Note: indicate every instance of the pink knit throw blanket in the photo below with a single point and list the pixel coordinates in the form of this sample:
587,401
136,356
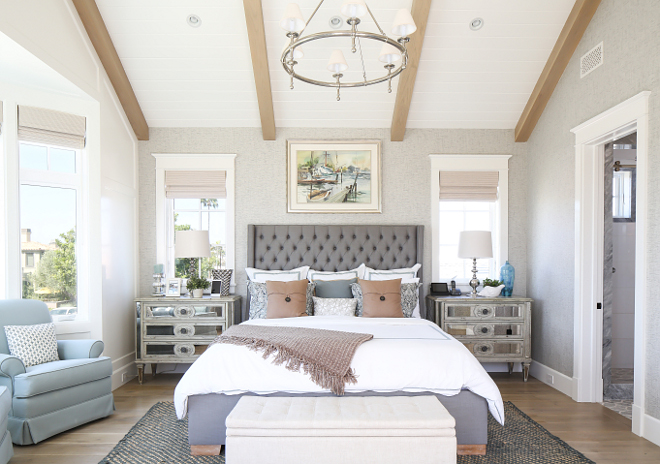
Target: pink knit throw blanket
325,355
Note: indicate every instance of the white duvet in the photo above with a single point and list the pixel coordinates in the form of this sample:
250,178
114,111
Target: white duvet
409,355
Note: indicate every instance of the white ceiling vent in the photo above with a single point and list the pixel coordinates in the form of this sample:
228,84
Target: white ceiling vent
591,60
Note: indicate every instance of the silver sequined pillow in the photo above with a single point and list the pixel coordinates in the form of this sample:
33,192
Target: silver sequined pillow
32,344
409,297
259,299
334,306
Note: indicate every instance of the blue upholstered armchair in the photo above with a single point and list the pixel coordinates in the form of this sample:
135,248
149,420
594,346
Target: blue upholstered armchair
55,396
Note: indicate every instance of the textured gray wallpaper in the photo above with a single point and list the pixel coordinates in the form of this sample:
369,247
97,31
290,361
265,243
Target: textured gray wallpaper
630,31
261,182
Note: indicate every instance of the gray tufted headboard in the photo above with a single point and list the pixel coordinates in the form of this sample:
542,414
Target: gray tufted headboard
335,248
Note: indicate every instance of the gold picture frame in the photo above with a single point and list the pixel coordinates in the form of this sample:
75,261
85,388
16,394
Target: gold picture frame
330,176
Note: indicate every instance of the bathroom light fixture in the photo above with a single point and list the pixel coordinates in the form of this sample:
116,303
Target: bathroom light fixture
393,51
194,20
476,24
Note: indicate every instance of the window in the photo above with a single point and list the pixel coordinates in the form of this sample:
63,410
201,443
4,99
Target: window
457,216
199,214
50,189
623,206
473,196
50,205
195,192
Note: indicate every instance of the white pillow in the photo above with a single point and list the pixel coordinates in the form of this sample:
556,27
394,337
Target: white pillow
390,274
32,344
334,306
356,273
260,275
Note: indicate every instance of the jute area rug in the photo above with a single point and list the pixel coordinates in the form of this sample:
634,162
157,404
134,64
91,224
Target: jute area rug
159,438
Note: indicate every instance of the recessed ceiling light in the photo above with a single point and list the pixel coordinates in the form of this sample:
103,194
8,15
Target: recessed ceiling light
476,24
194,20
336,22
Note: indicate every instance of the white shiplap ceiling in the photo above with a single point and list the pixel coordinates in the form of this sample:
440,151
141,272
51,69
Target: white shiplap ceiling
202,77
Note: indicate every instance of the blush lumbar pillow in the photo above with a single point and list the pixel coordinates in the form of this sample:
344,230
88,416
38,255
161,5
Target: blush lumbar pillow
286,299
334,306
381,298
32,344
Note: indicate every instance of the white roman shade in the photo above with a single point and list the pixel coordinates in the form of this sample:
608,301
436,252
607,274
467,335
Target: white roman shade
51,127
0,117
469,185
196,184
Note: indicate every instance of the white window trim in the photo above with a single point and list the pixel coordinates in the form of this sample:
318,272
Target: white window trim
498,163
88,239
194,162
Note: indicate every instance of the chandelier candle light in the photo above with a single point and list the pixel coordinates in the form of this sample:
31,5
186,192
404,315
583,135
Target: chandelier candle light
392,51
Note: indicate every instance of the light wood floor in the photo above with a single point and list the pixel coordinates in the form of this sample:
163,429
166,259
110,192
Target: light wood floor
601,434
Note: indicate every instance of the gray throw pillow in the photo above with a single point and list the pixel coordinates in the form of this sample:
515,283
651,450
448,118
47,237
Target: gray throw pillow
259,299
409,296
32,344
334,288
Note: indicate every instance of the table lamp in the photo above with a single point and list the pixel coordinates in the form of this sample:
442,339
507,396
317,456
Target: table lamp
473,244
192,244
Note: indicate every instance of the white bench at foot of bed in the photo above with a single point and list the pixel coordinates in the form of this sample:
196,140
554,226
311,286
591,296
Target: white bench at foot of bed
325,430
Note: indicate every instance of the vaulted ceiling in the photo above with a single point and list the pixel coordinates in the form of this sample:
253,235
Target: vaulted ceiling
200,77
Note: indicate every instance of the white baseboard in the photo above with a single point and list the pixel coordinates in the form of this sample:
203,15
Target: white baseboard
551,377
651,429
123,370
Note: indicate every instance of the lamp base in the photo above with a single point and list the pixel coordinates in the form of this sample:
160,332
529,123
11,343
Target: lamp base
474,283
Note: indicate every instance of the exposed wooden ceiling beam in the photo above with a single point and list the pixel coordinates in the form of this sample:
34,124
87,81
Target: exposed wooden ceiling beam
91,18
254,17
561,54
404,92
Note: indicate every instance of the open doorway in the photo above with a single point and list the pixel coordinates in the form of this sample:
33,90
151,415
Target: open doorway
591,137
620,166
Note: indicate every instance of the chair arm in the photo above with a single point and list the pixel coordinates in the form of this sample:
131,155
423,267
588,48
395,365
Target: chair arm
79,349
10,366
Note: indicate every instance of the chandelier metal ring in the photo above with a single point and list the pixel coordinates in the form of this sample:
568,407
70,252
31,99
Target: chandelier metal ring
289,64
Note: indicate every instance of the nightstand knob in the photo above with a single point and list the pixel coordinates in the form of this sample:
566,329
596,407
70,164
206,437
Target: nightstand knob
485,312
484,348
382,298
287,299
484,330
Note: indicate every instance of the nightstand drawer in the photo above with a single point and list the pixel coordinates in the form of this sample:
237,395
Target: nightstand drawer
484,311
495,348
189,329
173,350
484,329
185,311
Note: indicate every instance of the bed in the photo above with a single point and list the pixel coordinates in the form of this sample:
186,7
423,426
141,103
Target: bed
212,386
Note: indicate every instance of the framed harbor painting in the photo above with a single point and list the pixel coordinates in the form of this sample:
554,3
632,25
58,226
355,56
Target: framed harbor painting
333,176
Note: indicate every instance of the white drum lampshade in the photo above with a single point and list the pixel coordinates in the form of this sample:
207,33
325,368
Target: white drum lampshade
475,244
192,244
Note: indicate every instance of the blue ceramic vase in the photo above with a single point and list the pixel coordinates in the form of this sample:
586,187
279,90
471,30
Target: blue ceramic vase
507,276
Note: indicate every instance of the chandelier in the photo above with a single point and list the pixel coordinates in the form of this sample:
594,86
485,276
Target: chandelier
393,52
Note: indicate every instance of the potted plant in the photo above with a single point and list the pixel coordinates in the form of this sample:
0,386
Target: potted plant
492,287
196,285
